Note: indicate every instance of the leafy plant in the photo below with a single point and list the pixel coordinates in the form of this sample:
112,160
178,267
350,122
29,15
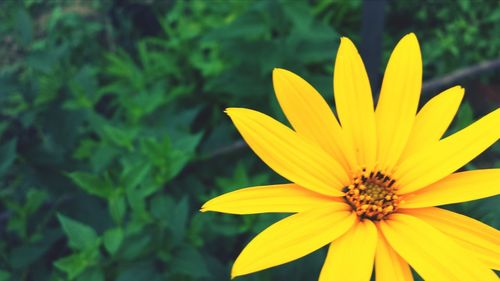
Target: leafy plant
112,131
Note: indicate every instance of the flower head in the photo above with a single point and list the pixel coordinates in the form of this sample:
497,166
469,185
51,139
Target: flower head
367,185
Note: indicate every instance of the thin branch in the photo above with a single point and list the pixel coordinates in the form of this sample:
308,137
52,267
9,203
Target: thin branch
233,147
460,74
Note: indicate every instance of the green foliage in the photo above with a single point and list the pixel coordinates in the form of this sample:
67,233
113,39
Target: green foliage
112,131
80,236
462,33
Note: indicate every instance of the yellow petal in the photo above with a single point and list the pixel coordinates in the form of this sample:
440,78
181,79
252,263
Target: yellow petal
481,240
448,155
354,103
455,188
278,198
389,265
433,120
398,101
310,115
293,237
430,252
351,256
289,154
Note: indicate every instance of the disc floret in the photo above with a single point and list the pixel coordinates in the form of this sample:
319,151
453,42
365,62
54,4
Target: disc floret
372,195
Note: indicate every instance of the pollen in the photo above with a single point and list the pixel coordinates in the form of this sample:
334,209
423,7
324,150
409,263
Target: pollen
372,195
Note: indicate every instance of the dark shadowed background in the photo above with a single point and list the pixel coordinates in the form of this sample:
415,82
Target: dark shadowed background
112,131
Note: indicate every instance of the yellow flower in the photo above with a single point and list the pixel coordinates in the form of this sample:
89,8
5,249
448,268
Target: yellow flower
368,185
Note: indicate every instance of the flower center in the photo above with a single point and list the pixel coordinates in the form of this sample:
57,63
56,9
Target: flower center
372,195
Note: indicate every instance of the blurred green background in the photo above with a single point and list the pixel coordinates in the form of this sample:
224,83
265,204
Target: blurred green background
112,131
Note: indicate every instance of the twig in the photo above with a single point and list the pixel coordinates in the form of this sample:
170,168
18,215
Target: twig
460,74
235,146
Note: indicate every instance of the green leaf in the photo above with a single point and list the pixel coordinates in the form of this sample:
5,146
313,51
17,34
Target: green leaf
190,262
45,60
142,271
24,27
3,125
161,205
73,265
94,274
92,184
183,152
4,275
113,238
8,155
34,199
187,143
76,264
135,246
133,175
178,220
23,256
80,236
120,136
117,208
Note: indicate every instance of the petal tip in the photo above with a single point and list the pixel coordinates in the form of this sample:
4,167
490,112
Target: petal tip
411,36
231,110
345,41
283,75
457,87
456,90
278,73
234,272
411,40
204,208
